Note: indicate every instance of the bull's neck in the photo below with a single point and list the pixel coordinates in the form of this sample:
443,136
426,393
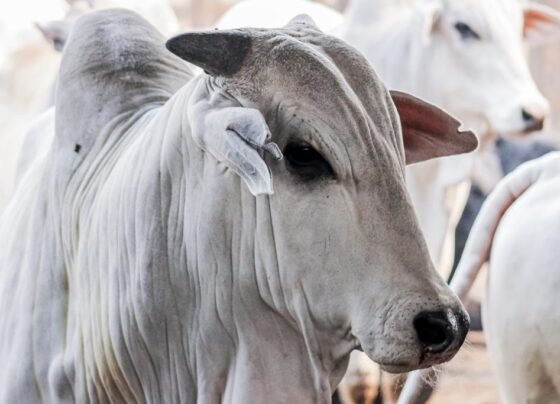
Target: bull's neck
248,345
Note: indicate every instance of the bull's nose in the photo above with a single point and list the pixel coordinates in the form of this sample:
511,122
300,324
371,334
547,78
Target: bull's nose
532,118
439,331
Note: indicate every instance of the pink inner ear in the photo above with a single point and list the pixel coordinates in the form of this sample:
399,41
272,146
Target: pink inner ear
536,15
428,131
532,19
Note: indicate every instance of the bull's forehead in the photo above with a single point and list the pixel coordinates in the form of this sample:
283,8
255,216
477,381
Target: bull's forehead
493,19
322,87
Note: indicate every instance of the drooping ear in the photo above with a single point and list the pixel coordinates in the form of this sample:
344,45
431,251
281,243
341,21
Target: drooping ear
541,24
429,131
55,32
236,136
219,53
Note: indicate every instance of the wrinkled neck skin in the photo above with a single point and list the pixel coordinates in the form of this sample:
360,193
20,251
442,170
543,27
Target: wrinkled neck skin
183,300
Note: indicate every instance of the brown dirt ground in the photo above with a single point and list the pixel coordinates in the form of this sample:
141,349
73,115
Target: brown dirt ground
468,378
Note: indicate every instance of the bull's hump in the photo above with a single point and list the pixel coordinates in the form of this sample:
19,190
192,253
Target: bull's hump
114,63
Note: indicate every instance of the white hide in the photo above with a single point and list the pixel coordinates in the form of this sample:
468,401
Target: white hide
517,232
138,266
522,336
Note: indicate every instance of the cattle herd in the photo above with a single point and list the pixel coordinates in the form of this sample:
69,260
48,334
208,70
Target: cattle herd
267,214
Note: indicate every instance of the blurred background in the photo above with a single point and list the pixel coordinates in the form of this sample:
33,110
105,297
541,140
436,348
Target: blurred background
29,31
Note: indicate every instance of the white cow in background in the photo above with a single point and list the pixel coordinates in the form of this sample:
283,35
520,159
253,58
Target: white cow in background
146,258
517,231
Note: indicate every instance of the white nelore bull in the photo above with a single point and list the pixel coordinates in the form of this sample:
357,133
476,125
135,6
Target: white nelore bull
144,257
517,232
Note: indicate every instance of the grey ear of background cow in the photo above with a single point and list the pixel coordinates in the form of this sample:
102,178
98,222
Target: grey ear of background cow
428,131
55,32
219,53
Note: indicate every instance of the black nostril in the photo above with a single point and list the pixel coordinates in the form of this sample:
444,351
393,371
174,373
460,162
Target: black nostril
532,123
527,117
434,330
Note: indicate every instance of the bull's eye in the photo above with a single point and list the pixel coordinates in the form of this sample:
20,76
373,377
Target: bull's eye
465,31
306,162
58,44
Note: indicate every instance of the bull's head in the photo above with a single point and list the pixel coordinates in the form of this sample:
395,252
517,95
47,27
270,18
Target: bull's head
338,251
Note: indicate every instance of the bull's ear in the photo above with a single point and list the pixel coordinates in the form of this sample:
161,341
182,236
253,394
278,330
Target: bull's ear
239,138
219,53
429,131
55,32
541,24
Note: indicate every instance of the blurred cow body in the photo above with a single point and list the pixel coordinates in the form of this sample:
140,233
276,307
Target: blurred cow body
517,233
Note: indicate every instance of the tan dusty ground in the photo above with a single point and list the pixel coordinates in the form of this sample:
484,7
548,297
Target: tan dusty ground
468,378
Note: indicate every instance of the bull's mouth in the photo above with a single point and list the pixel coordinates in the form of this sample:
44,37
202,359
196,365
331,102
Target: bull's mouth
425,362
397,367
526,131
392,367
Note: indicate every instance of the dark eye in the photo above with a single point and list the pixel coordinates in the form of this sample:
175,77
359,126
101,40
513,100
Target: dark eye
306,162
58,44
465,31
